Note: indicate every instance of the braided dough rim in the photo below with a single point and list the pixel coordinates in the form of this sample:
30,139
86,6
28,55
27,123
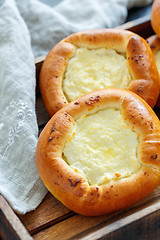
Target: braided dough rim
140,60
72,188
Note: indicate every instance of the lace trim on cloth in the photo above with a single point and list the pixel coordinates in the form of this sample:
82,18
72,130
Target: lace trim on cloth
22,113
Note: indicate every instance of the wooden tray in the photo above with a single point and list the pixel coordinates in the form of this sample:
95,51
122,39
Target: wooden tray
51,220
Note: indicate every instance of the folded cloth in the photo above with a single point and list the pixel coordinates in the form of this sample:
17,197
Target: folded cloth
48,25
20,183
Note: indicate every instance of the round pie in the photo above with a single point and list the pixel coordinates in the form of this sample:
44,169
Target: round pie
155,17
91,60
101,152
154,43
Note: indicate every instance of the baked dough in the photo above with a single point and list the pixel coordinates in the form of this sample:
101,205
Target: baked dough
126,178
90,60
154,43
155,17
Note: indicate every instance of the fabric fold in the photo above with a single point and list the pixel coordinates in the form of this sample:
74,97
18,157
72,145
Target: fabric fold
48,25
20,183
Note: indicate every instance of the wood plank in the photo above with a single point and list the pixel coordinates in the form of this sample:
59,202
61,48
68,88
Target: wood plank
144,224
10,226
38,65
80,224
48,211
42,115
141,26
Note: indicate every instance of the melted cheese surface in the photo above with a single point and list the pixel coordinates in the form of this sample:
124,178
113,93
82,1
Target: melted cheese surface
94,69
157,58
102,147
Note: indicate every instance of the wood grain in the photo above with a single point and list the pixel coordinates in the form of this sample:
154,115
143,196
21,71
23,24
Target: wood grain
141,26
144,224
79,226
10,226
48,211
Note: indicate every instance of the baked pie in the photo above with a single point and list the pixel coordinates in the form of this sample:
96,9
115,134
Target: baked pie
87,61
101,152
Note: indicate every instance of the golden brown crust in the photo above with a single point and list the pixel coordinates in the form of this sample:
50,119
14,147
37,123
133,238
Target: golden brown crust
155,19
154,43
72,188
146,79
139,56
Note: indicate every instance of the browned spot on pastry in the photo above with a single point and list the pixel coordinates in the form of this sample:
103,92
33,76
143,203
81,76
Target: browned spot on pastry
56,183
76,103
140,91
146,174
50,139
152,46
53,128
137,58
154,157
92,100
117,175
75,183
151,124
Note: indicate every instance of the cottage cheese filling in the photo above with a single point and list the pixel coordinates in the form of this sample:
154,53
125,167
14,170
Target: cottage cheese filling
95,69
102,147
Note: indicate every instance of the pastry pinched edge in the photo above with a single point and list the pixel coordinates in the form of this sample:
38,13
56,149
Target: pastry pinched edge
154,43
140,60
155,17
72,188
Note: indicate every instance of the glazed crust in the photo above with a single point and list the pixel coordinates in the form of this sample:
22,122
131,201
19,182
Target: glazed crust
154,43
72,188
139,57
155,17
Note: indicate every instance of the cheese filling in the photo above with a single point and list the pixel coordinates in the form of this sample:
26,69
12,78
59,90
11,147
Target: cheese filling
94,69
102,147
157,58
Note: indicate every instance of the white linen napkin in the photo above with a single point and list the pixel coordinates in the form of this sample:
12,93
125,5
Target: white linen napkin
20,183
48,25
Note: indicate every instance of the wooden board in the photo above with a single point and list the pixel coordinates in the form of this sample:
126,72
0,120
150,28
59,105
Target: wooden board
52,220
